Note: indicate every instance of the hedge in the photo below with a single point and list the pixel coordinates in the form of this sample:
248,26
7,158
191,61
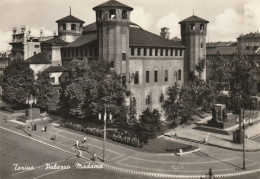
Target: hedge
124,137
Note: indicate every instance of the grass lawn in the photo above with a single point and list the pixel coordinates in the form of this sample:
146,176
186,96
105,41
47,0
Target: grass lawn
160,145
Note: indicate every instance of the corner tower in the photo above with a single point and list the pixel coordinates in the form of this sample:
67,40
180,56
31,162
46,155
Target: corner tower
70,28
113,20
193,33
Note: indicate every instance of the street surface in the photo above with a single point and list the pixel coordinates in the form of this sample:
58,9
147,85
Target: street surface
22,151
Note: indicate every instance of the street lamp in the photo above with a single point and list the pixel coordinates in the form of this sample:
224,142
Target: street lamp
131,76
105,129
242,128
30,101
244,151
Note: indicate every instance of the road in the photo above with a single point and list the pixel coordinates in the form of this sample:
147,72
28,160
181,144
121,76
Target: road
15,149
24,152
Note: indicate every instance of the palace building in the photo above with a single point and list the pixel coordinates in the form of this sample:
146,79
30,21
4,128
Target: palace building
148,63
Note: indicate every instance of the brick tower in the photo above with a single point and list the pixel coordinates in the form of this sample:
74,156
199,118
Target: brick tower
113,20
193,33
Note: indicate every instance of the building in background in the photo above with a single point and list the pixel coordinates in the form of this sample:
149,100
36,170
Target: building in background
147,63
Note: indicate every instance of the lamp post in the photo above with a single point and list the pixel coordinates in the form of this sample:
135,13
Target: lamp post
244,151
30,101
105,131
131,76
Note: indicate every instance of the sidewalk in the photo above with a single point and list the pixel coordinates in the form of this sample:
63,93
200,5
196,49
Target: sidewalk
125,159
190,133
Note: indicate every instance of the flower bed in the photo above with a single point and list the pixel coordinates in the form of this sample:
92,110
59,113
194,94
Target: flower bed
119,136
6,109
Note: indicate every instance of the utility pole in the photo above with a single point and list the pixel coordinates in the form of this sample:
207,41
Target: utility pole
105,135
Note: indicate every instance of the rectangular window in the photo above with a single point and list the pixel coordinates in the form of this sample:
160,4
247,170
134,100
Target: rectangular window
179,74
138,51
132,51
136,78
171,52
112,14
36,46
145,52
123,56
161,52
59,79
72,52
63,26
181,52
151,52
52,80
156,52
147,77
155,76
166,52
73,26
166,76
176,52
124,14
86,52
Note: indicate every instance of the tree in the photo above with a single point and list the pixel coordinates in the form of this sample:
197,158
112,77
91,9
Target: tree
179,106
18,82
47,95
148,126
92,89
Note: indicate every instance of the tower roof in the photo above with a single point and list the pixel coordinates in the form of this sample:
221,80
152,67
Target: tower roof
113,3
70,18
193,19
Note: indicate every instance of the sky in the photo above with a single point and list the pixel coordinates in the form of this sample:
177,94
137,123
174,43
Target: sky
228,18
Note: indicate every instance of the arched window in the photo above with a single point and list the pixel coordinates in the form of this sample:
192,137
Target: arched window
175,76
192,26
133,102
161,98
124,81
112,65
148,100
202,27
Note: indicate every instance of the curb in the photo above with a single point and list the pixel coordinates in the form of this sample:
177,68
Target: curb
179,176
135,172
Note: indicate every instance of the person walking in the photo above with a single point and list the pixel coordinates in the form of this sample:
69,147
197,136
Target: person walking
94,156
77,143
85,139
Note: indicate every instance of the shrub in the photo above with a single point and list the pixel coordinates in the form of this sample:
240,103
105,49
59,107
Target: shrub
124,137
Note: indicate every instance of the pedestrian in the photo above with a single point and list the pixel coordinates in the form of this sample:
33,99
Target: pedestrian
94,156
85,139
80,153
77,143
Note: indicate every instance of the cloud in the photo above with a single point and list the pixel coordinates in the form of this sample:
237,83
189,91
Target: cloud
171,21
230,24
5,39
142,18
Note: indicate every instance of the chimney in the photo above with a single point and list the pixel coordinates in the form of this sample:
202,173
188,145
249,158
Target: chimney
165,33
